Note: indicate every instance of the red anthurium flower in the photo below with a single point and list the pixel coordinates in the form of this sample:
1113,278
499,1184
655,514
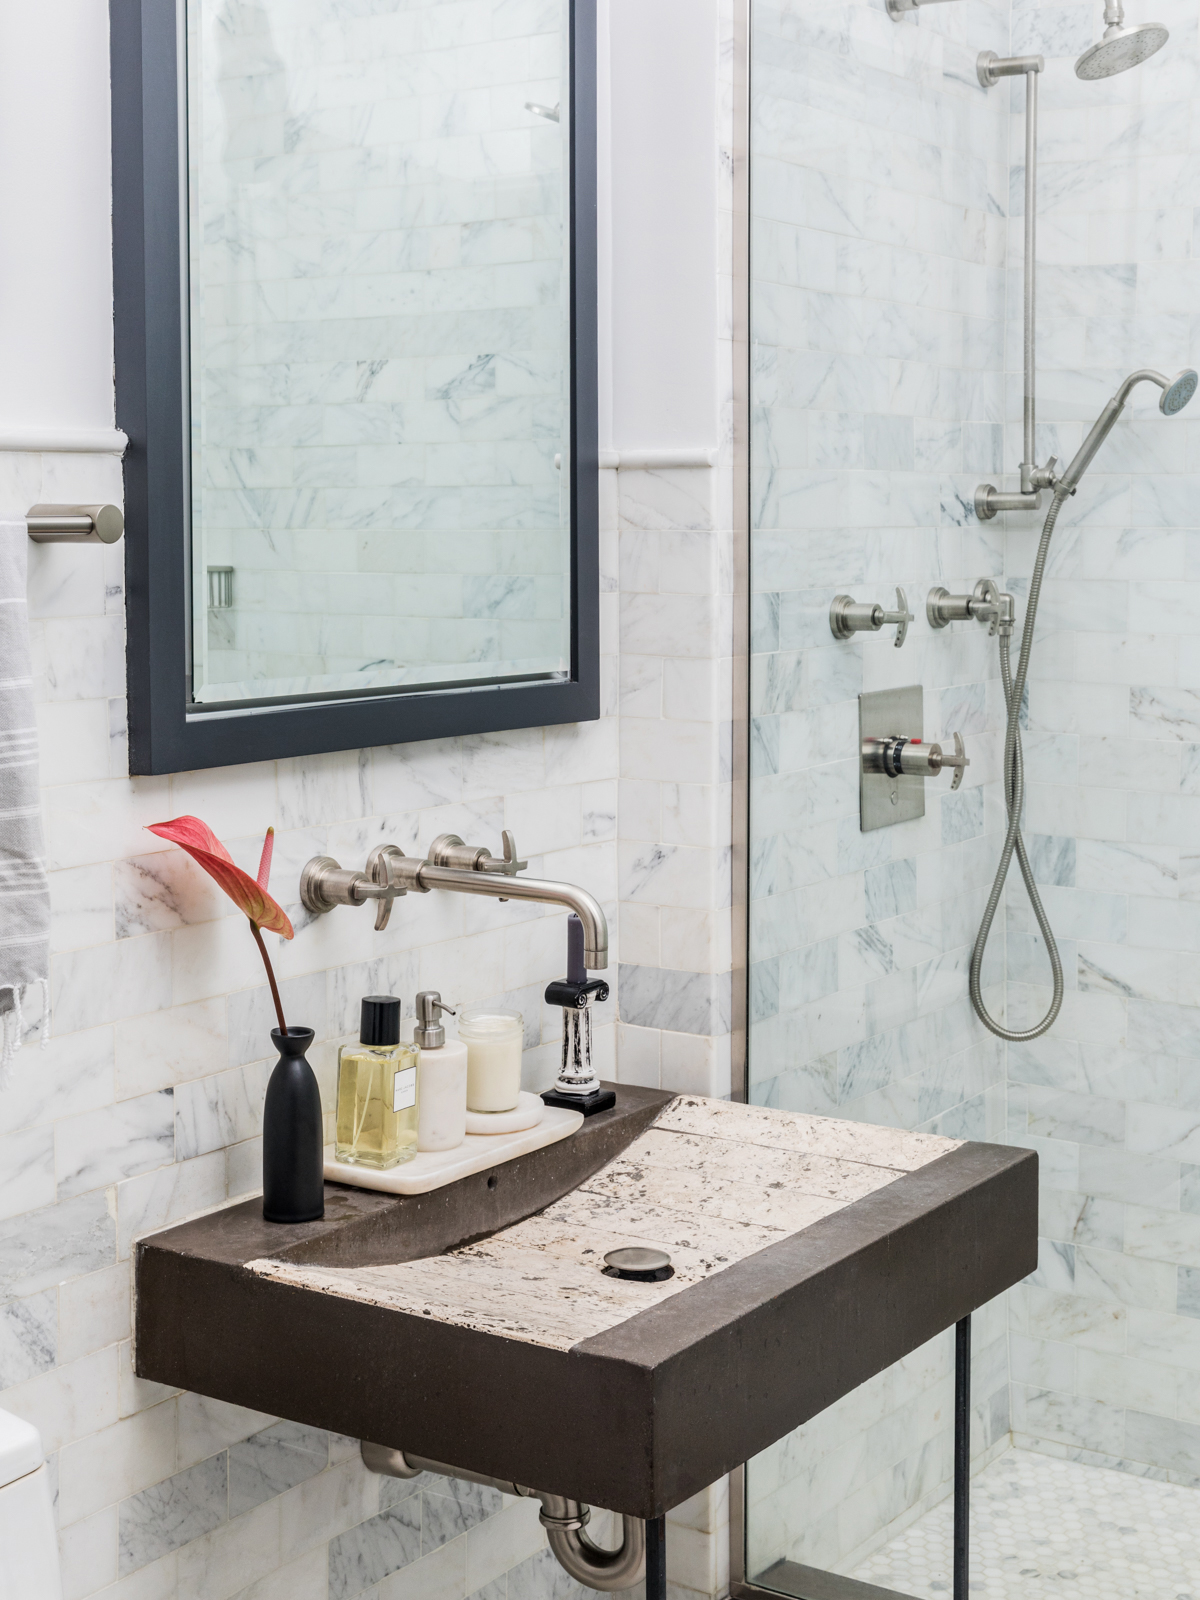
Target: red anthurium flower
247,893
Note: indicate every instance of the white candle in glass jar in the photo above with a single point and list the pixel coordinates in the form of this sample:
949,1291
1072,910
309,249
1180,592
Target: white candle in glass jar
494,1041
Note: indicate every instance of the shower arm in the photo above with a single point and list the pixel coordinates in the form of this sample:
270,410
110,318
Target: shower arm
988,499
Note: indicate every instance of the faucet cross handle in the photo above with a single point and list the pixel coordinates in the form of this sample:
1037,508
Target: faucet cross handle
510,866
958,760
381,865
901,616
448,850
848,616
1047,477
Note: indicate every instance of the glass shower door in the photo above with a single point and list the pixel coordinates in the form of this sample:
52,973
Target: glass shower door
877,399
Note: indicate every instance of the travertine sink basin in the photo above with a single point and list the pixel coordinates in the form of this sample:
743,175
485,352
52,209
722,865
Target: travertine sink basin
474,1325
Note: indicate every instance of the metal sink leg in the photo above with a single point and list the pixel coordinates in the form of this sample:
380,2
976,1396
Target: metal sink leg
962,1455
656,1559
791,1579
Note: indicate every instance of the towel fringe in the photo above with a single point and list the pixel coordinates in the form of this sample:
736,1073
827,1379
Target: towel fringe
13,1025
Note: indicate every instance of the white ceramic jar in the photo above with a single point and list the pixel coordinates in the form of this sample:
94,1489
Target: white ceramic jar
442,1103
495,1041
441,1078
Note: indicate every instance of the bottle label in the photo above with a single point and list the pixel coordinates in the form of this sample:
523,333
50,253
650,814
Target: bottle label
404,1089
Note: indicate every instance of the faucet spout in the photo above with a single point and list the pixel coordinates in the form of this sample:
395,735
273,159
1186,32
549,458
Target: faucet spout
452,865
543,890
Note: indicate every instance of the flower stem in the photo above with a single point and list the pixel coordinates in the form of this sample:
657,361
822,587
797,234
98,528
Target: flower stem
262,950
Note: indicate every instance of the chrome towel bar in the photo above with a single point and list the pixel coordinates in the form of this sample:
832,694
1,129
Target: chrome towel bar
75,524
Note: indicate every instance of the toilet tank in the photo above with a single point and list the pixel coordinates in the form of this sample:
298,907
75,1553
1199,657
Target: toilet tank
28,1538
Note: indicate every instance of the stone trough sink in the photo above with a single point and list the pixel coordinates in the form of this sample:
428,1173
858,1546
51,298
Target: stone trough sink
475,1326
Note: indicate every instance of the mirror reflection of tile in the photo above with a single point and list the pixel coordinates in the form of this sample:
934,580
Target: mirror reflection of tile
379,347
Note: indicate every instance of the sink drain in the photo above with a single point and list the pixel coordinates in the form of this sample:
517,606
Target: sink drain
638,1264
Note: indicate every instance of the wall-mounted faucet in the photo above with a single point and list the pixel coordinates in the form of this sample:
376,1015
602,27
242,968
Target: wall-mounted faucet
450,864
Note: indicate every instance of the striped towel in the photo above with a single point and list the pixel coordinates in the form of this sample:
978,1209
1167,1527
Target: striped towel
24,888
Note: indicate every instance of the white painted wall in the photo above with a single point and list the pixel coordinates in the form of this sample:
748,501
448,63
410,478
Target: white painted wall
56,344
664,222
658,360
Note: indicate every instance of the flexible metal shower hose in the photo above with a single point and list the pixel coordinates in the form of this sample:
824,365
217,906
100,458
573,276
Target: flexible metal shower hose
1014,800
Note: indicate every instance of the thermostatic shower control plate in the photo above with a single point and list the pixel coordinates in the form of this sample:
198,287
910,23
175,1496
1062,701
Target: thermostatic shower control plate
888,714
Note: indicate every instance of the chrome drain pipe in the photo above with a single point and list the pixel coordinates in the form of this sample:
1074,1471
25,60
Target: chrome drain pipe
564,1520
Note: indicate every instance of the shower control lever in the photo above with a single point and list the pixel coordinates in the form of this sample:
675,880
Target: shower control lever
899,757
986,603
848,616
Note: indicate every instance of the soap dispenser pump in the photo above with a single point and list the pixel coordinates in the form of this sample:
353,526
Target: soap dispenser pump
578,1087
442,1075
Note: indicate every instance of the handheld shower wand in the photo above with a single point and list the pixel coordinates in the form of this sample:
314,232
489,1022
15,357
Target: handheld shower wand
1176,393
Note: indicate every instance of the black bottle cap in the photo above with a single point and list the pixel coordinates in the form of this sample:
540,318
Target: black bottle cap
380,1020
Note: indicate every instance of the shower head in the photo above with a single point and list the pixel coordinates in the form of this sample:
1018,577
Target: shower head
1176,392
1121,47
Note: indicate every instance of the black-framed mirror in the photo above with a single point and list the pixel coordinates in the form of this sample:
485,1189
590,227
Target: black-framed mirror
355,285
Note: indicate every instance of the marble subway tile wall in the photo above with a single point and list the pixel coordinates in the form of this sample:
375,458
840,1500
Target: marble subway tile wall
675,807
379,319
677,549
147,1106
878,192
1106,1338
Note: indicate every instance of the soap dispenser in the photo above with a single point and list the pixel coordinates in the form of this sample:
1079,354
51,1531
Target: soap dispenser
442,1075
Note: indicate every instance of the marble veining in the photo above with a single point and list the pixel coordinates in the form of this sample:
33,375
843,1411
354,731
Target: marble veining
710,1182
172,1513
268,1463
364,1555
28,1337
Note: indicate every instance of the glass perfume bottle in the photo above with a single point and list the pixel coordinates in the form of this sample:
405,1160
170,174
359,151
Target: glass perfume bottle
377,1090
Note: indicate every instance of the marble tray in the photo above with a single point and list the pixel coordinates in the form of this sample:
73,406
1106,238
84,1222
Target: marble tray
435,1168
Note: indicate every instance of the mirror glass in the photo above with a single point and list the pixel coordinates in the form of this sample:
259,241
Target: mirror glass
379,274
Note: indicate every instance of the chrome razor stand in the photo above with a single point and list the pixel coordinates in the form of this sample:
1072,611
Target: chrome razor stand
578,1088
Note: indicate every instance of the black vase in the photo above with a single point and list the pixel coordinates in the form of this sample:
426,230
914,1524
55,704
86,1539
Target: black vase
293,1142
